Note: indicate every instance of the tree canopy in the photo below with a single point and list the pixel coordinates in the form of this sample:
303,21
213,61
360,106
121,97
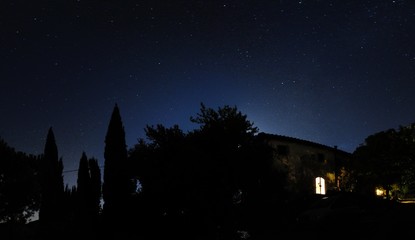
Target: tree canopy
387,158
215,181
19,186
117,185
209,175
51,182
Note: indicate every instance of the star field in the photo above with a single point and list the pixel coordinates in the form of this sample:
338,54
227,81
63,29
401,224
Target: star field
332,72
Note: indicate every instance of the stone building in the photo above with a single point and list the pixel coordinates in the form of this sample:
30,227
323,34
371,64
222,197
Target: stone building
310,167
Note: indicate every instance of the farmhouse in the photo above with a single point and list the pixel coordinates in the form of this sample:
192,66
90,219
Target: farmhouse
310,167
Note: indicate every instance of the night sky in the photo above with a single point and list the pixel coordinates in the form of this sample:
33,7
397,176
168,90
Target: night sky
331,72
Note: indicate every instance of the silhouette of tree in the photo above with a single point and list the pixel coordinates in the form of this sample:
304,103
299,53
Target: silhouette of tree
266,206
245,189
70,202
208,182
51,181
88,194
117,185
224,137
407,185
385,159
83,190
19,188
227,121
96,186
162,168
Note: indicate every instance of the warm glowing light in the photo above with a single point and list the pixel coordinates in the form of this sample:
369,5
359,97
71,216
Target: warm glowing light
379,192
320,186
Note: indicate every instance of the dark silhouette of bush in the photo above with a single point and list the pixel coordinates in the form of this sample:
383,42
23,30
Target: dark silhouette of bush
19,185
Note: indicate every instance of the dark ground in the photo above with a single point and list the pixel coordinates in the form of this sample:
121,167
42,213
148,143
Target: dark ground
396,222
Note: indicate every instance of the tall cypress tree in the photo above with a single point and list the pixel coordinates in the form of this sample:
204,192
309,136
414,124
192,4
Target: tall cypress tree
95,174
52,189
83,189
88,195
116,186
83,180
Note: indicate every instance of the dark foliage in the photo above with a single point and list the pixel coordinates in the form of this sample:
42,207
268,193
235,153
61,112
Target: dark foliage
117,185
19,188
216,182
83,185
95,188
51,182
386,159
209,182
88,190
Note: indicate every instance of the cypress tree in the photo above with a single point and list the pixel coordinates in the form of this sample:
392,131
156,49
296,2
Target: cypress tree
116,186
83,180
95,174
88,196
52,188
83,189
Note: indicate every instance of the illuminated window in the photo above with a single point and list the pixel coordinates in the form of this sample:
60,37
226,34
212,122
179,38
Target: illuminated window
320,186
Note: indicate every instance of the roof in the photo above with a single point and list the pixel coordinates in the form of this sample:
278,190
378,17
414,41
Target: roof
283,138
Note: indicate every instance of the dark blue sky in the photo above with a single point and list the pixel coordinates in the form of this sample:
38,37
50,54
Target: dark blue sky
332,72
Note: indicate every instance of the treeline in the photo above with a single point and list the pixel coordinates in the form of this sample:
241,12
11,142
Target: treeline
385,161
215,182
210,183
19,185
218,181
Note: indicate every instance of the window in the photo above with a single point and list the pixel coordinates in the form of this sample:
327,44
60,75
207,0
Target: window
282,150
320,157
